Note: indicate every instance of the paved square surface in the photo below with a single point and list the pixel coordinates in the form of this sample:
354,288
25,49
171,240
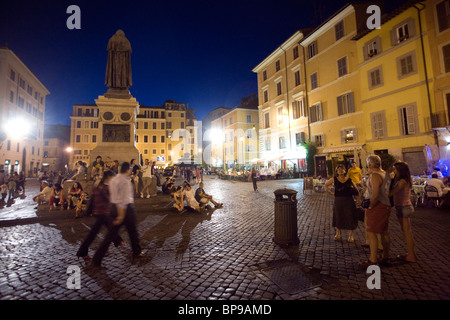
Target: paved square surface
222,254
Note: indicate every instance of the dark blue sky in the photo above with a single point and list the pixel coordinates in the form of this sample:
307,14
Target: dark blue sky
196,52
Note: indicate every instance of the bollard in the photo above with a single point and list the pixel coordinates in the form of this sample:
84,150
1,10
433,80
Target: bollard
285,217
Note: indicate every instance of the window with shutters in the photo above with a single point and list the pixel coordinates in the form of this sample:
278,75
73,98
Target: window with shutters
280,115
279,88
314,81
342,67
268,146
443,15
406,65
339,30
319,140
277,65
345,104
297,78
315,112
298,109
378,122
311,50
375,77
266,120
266,96
264,75
300,137
348,135
282,142
295,52
402,31
372,48
408,120
446,56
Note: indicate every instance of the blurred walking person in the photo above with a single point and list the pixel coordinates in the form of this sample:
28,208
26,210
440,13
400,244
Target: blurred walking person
100,208
122,213
254,176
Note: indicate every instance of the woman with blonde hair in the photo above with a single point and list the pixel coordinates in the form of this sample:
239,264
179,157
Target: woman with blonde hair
377,214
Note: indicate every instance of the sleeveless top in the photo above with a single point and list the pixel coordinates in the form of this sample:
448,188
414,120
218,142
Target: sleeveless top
403,197
383,195
342,189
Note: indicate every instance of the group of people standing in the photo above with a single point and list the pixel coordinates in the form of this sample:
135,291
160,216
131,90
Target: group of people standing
11,186
384,192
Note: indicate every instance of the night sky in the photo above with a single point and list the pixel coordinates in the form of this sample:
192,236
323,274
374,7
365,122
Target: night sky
196,52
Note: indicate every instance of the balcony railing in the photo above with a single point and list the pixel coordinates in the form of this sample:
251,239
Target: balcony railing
439,120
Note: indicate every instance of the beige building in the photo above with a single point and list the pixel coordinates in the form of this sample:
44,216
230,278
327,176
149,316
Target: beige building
283,117
165,134
234,138
22,110
56,142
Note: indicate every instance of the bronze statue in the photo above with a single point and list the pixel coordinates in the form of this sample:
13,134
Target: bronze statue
118,67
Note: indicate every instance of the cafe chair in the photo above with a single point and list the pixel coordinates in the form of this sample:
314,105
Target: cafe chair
431,193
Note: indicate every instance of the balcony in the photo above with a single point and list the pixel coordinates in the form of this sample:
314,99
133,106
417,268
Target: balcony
439,120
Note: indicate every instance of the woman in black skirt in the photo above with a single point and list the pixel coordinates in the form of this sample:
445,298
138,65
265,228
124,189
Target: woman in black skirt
344,209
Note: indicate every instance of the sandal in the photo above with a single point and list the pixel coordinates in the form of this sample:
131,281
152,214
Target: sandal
367,263
402,257
384,262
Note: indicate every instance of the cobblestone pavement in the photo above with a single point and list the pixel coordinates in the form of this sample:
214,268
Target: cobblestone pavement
224,254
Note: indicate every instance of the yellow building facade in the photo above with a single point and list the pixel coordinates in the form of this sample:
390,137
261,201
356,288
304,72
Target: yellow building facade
164,134
381,90
234,139
283,118
437,20
397,86
333,89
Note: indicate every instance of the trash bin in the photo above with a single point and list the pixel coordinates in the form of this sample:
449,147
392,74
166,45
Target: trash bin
285,217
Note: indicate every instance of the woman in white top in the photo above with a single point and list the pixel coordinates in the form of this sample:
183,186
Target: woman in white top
189,196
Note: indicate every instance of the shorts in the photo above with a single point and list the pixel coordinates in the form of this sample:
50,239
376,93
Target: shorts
403,212
146,181
377,218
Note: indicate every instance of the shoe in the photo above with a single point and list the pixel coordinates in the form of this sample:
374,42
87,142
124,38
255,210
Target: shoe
402,257
85,258
148,196
219,205
142,195
384,262
366,264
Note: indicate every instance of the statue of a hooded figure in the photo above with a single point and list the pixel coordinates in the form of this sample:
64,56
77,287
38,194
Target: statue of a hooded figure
118,67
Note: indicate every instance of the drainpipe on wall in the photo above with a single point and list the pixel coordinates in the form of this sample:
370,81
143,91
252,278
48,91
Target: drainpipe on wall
426,70
287,98
306,93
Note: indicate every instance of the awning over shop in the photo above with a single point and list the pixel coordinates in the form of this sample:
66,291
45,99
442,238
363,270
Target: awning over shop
342,149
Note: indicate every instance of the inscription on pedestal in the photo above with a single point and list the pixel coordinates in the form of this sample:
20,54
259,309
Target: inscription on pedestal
116,133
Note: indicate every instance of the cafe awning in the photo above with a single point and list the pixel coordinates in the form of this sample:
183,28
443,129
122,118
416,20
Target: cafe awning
342,149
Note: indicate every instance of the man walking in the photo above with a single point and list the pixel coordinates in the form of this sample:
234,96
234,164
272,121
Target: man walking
122,213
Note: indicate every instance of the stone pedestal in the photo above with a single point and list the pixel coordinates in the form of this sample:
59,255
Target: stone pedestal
117,127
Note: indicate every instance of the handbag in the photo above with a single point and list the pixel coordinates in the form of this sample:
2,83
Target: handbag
360,213
365,203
